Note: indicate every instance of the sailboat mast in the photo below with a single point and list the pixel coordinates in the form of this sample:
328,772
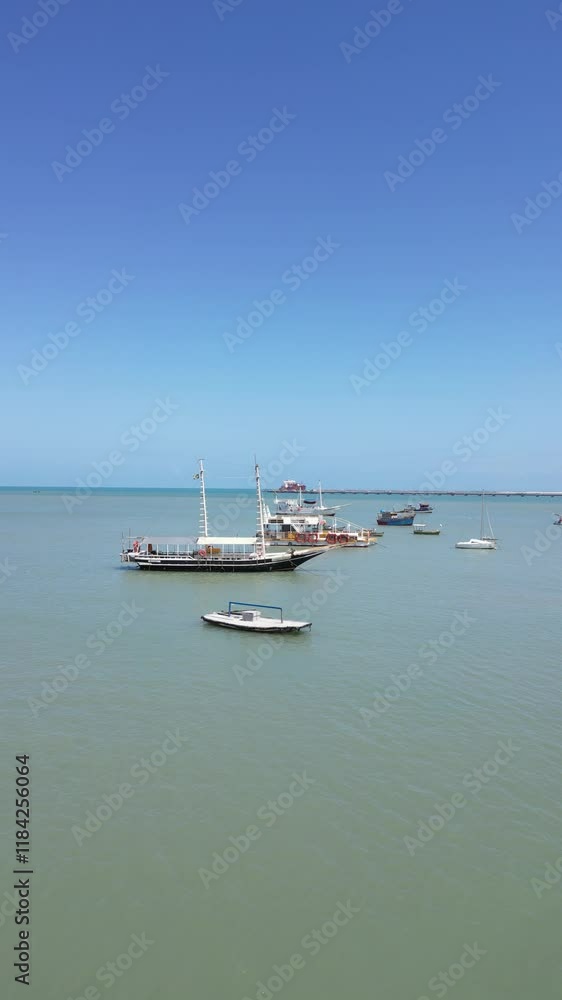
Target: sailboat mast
490,529
482,518
260,524
320,492
202,501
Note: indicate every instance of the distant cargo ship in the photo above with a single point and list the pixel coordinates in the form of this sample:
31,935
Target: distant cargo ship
291,486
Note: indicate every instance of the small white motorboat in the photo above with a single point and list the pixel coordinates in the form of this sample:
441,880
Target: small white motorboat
251,619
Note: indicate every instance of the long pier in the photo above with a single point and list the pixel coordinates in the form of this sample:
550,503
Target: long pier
419,493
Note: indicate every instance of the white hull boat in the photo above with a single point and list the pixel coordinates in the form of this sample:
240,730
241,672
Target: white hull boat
485,541
477,543
311,530
307,507
251,619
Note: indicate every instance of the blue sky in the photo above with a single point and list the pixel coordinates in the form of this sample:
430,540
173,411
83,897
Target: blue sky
346,107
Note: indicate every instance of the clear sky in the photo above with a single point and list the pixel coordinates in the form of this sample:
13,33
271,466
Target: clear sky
114,113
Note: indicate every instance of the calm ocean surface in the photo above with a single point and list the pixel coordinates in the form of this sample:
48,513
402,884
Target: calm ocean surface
404,814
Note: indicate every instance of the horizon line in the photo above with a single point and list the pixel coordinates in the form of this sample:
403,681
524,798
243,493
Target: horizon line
373,491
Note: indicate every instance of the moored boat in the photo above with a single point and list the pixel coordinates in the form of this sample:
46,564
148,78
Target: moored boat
485,541
209,553
351,537
422,508
251,620
424,529
213,555
282,529
307,507
477,543
286,528
291,486
400,518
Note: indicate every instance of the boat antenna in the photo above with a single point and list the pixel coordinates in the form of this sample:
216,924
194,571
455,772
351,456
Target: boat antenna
202,501
260,525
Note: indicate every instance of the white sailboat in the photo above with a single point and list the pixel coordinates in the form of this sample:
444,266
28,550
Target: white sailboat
485,541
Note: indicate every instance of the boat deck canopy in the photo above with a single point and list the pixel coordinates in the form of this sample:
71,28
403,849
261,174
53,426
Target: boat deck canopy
169,540
214,540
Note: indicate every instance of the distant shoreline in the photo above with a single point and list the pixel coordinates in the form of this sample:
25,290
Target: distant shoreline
425,493
193,491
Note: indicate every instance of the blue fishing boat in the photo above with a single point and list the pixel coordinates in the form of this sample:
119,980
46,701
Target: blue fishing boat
401,518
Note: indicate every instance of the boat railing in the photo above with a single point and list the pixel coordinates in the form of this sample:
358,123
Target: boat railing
342,526
196,554
266,607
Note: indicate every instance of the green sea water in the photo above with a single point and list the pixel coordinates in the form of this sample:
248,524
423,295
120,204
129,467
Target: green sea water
205,803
